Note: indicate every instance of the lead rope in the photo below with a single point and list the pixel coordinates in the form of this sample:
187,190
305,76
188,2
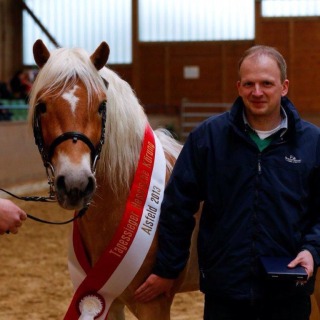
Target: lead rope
46,199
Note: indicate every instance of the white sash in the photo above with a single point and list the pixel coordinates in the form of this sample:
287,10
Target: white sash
96,287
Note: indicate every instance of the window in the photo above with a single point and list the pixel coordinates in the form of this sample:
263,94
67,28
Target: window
201,20
85,24
80,23
290,8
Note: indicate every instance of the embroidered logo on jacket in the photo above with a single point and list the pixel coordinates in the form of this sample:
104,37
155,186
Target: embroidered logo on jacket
292,159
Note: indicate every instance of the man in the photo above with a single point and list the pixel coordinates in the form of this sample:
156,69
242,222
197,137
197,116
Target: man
11,217
256,169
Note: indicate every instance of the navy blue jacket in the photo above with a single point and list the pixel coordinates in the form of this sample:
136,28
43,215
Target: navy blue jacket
254,204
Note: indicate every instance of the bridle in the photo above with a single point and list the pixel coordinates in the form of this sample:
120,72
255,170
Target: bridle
47,152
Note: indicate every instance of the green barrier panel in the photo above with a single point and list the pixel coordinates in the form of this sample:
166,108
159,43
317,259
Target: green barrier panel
17,107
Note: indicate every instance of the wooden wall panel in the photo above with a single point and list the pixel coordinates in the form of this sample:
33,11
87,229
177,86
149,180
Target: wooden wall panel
305,65
207,57
10,38
124,71
298,39
152,74
161,73
275,32
230,56
20,161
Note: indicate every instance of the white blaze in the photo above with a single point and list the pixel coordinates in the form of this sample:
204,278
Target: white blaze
76,175
71,98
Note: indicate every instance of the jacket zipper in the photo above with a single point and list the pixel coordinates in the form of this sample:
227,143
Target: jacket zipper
259,164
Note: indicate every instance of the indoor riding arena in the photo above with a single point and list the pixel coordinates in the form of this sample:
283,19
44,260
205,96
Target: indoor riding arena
180,59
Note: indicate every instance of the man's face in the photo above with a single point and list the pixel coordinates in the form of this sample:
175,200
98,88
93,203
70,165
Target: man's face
260,87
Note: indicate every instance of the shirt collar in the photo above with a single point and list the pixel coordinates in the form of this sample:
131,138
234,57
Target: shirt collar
283,124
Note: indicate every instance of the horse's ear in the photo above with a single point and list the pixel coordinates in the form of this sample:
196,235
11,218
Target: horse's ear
40,53
100,57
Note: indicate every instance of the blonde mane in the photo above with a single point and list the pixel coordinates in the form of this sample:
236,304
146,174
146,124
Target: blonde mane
125,128
126,120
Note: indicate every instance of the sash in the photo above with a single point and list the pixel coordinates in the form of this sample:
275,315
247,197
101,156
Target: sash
96,287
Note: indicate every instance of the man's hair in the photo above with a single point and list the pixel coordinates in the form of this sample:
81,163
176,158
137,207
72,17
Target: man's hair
273,53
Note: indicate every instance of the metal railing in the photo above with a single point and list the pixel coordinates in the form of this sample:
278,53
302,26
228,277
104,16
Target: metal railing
193,113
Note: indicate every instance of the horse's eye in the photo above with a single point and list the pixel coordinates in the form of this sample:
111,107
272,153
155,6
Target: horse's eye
102,107
41,106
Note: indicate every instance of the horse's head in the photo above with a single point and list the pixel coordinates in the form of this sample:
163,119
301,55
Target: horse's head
68,110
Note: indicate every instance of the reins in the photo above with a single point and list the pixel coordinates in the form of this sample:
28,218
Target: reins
46,199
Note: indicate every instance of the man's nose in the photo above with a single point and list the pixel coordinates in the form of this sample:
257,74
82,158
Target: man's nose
257,90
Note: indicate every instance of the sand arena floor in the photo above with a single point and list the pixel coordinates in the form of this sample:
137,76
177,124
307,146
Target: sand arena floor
34,276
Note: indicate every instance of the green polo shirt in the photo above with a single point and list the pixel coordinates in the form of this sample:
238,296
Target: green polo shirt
261,143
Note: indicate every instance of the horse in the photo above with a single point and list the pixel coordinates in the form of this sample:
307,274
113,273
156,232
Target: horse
89,127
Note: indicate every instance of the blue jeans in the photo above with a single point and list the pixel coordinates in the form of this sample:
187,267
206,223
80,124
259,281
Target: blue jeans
293,308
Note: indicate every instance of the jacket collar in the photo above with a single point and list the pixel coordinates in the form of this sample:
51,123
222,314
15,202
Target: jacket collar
283,126
294,120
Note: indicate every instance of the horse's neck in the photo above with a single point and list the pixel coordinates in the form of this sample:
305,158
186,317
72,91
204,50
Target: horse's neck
100,222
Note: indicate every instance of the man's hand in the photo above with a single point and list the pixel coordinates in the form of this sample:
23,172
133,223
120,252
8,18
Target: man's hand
153,287
305,259
11,216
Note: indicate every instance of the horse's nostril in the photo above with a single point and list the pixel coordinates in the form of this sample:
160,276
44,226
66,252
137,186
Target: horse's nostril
61,185
90,186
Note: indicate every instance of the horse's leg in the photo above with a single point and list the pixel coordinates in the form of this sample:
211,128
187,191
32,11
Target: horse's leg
157,309
116,311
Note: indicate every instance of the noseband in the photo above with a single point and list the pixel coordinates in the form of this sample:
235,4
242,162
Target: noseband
47,152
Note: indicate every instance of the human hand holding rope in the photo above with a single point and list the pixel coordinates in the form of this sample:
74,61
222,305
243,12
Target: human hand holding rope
50,198
11,217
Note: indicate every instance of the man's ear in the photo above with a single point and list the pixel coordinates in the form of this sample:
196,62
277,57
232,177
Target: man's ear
285,87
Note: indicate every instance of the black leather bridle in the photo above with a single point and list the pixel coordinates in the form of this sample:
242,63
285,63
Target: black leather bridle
47,152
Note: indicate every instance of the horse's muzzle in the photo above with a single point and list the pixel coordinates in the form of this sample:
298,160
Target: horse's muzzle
74,196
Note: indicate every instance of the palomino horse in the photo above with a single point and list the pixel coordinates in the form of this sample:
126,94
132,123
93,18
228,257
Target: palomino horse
82,111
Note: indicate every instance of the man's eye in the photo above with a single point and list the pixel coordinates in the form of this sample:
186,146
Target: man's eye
247,84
